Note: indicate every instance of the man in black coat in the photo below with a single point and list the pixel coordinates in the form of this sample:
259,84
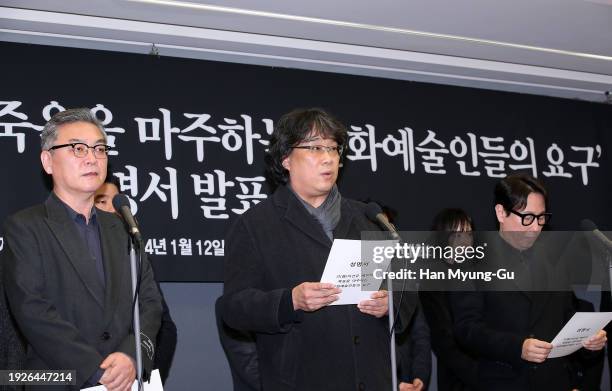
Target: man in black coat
67,269
510,326
276,253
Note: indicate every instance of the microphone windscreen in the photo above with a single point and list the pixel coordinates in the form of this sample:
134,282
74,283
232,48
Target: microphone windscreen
120,200
587,225
372,210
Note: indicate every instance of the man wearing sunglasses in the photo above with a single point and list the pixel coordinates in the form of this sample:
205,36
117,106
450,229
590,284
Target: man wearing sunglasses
509,326
67,272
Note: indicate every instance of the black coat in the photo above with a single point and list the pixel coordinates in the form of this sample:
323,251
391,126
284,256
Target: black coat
51,282
457,367
274,247
494,325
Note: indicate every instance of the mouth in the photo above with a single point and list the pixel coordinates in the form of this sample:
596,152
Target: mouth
90,174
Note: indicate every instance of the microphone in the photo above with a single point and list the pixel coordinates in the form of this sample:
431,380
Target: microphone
588,225
122,206
375,214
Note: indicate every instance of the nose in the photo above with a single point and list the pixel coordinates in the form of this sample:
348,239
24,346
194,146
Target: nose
534,226
329,157
90,158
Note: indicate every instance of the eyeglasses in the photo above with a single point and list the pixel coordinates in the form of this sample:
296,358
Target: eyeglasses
100,151
320,149
528,218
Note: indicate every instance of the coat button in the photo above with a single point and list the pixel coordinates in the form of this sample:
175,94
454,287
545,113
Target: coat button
356,340
105,336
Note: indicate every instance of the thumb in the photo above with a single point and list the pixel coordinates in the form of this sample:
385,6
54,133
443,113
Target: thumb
108,361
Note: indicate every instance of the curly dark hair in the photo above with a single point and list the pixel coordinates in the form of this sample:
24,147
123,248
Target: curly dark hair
295,127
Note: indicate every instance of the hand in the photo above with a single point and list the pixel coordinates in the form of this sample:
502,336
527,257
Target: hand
119,372
310,296
378,305
596,342
535,350
416,385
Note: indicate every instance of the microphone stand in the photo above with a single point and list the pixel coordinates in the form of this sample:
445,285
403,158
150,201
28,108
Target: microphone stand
136,245
392,327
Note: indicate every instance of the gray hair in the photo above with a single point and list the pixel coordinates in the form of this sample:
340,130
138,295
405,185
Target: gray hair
49,132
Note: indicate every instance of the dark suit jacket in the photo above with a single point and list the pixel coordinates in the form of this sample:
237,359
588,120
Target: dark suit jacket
274,247
52,287
494,325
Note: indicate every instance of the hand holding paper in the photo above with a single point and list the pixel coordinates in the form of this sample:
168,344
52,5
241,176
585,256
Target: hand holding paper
596,342
350,267
535,350
378,305
581,328
310,296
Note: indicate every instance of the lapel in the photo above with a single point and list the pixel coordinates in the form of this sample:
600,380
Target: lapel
65,232
114,247
298,216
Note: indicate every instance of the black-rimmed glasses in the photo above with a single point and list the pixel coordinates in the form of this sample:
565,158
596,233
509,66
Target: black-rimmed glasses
100,151
528,218
320,149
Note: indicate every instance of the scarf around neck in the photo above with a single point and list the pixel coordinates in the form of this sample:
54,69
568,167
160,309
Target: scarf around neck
328,213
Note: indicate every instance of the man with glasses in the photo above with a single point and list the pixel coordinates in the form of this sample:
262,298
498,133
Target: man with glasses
275,255
67,272
509,326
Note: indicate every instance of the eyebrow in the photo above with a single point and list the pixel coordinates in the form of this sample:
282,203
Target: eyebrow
78,140
315,138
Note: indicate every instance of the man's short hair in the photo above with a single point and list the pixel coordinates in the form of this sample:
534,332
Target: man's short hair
113,180
49,132
293,128
512,191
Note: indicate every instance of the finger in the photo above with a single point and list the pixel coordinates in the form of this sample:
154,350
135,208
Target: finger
542,344
108,361
115,380
122,379
126,385
378,295
373,303
540,357
109,376
538,350
323,300
311,294
322,285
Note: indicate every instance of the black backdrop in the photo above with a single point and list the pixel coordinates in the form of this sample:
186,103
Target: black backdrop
191,135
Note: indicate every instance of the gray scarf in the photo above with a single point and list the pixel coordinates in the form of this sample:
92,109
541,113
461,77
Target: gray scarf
328,213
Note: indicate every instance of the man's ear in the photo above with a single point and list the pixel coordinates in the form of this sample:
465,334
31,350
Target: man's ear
46,159
500,213
286,163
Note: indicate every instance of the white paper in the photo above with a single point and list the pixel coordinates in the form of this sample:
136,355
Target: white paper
580,327
345,268
154,384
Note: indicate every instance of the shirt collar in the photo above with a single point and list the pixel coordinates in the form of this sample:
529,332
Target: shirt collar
78,217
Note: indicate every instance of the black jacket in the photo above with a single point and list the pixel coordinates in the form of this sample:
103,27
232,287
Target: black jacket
274,247
495,323
51,281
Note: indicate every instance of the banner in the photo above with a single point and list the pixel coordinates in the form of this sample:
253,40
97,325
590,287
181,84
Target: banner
190,139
